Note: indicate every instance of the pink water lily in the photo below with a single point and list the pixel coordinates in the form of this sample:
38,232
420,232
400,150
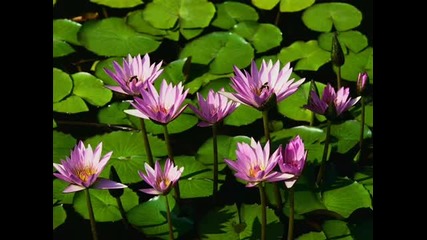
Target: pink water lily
214,108
332,103
362,82
135,73
293,159
258,87
254,164
83,167
161,181
162,107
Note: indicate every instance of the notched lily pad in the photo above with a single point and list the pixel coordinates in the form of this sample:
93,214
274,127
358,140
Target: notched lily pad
309,55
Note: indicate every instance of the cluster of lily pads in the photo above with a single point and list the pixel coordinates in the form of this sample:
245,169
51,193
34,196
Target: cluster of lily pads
312,161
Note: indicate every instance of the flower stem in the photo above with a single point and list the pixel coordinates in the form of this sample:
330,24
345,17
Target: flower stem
263,210
91,215
170,155
291,214
362,128
339,78
122,213
320,174
267,138
168,213
215,155
146,143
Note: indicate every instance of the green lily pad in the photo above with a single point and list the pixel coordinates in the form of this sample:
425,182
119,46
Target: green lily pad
59,216
106,63
345,200
118,3
220,50
57,192
243,115
191,33
356,63
205,79
353,40
61,48
226,149
309,55
369,112
365,177
128,153
114,114
231,13
54,124
293,106
62,146
265,4
62,84
165,14
173,72
322,17
182,123
66,30
91,89
312,236
105,207
113,37
197,179
215,85
295,5
136,20
72,104
263,36
226,224
348,134
336,229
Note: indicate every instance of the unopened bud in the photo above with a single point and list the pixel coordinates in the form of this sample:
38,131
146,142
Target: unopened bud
362,82
337,54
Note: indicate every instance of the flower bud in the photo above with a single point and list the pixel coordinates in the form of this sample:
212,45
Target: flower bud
362,82
337,55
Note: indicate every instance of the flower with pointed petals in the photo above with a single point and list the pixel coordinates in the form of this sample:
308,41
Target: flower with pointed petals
293,159
362,81
82,169
214,108
162,107
134,75
254,164
259,88
161,181
332,103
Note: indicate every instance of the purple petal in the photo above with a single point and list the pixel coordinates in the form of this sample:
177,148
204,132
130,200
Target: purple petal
136,113
73,188
102,183
151,191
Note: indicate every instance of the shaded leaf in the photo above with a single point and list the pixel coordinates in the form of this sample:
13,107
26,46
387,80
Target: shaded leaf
263,36
205,79
229,13
57,192
105,206
309,55
173,72
356,63
336,229
91,89
322,17
220,50
61,48
353,40
62,84
113,37
312,236
59,216
369,112
348,134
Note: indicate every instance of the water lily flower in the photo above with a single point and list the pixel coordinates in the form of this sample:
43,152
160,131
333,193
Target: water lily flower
332,103
135,73
161,181
259,87
293,159
214,108
83,167
254,164
162,107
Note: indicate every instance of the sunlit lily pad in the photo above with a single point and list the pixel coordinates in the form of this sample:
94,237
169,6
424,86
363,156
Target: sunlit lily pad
100,73
61,48
229,13
59,216
356,63
105,206
265,4
72,104
173,72
309,55
220,50
226,149
295,5
114,114
57,192
243,115
349,40
113,37
165,14
128,153
118,3
205,79
180,124
91,89
136,20
62,145
263,36
225,223
322,17
66,30
62,84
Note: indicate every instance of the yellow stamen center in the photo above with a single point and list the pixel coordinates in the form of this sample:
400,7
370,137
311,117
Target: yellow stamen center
85,173
254,171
